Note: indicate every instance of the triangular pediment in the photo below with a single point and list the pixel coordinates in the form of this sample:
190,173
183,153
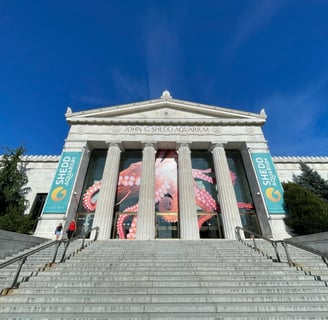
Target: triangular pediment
164,110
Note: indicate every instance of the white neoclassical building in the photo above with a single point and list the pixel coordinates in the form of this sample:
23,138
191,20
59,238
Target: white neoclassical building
164,168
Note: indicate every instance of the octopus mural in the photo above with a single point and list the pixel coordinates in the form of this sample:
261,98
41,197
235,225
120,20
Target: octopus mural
166,193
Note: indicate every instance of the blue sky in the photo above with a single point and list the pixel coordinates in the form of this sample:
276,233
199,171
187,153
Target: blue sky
240,54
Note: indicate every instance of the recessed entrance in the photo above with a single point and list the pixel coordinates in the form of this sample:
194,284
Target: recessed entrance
167,226
210,226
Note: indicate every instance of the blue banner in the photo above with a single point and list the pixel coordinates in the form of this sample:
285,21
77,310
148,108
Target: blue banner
271,188
62,185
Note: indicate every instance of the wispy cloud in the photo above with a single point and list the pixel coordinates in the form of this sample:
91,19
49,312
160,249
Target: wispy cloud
253,20
88,100
132,87
123,87
162,52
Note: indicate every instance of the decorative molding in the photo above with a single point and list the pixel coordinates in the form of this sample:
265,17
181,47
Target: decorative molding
283,159
184,121
295,159
40,158
166,95
150,105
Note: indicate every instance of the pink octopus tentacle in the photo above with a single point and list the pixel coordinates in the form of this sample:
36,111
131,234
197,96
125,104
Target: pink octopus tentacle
88,202
133,229
128,183
119,225
203,219
200,174
245,205
133,208
204,199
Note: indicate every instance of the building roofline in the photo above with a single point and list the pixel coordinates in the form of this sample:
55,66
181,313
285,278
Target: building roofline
294,159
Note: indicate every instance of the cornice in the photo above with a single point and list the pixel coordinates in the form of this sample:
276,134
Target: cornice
158,103
276,159
113,121
40,158
297,159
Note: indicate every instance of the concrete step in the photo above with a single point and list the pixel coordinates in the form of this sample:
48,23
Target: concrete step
158,280
173,272
132,308
304,260
172,278
174,316
250,290
172,284
165,298
34,263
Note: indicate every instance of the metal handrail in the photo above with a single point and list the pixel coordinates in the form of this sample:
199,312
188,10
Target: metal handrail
253,235
284,244
23,257
275,243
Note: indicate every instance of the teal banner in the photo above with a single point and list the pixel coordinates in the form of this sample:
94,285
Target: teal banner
62,186
269,182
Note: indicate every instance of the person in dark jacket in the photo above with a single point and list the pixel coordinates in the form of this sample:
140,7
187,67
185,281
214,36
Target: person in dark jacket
58,231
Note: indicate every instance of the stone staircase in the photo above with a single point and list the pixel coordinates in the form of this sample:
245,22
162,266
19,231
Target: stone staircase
35,263
306,261
168,279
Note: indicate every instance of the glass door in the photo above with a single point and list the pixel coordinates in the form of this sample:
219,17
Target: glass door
250,221
125,225
167,225
210,226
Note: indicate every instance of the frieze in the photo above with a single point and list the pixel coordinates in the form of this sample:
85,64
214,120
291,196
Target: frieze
170,129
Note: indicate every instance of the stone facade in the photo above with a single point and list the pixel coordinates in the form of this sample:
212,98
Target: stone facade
229,139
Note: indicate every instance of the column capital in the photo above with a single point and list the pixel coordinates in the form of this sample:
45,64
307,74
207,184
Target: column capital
115,144
182,144
149,144
216,145
75,145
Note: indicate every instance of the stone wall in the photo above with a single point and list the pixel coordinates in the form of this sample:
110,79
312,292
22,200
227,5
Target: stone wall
287,166
40,171
12,242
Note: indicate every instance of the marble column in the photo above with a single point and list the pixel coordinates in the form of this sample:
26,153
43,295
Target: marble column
228,201
146,204
106,200
187,203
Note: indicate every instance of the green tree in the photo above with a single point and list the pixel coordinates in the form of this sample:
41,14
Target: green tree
13,180
306,213
312,181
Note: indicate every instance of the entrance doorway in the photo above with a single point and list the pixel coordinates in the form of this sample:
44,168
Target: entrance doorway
125,225
167,226
210,226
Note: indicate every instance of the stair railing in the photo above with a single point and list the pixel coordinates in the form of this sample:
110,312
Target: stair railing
23,257
67,242
253,235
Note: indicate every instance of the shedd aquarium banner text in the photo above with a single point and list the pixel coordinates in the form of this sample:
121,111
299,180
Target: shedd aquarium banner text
61,189
269,182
